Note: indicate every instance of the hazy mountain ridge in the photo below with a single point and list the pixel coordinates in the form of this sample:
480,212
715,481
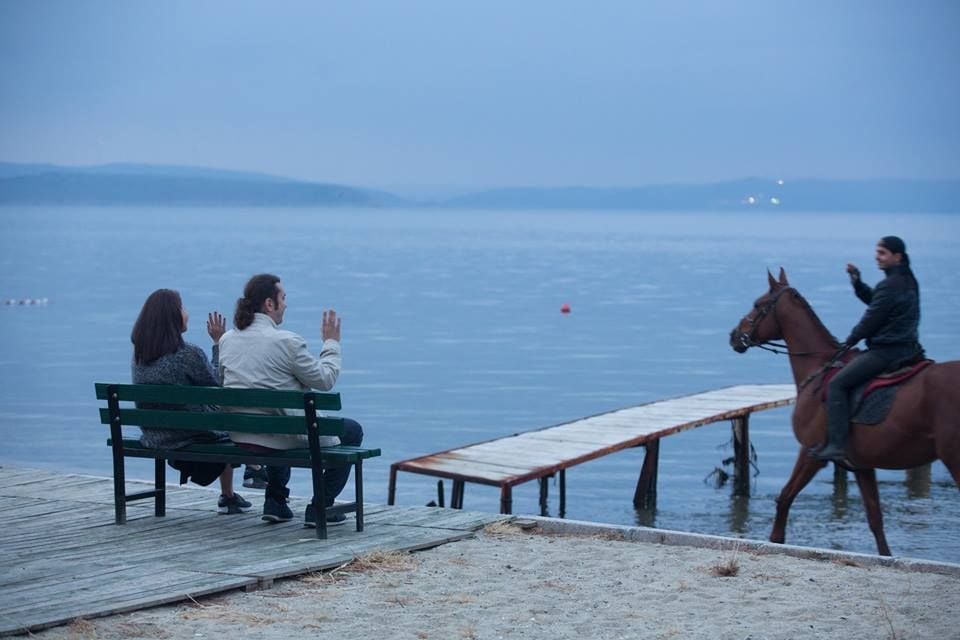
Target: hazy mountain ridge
135,184
127,184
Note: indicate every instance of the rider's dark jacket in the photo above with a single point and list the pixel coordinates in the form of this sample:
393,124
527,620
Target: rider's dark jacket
893,314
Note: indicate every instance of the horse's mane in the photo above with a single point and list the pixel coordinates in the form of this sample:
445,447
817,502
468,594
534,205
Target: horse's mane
798,296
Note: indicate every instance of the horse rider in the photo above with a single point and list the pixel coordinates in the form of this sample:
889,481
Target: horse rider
889,326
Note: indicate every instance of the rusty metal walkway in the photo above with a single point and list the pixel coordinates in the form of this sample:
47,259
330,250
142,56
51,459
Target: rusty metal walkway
538,455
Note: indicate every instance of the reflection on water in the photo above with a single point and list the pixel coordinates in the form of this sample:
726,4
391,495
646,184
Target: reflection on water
739,514
840,492
918,481
646,517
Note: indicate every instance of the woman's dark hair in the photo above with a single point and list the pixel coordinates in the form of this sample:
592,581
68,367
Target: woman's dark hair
159,327
259,288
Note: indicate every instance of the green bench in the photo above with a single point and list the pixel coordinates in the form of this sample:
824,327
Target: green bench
176,398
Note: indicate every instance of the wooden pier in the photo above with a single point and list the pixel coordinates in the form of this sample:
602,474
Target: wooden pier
62,557
538,455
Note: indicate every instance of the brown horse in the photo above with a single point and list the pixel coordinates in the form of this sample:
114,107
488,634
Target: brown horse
923,424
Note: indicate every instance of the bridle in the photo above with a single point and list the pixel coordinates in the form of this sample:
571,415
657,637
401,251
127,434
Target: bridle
747,339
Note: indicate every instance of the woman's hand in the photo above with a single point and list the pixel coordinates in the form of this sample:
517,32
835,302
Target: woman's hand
216,326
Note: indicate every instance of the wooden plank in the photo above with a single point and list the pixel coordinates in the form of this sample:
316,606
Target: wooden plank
434,465
51,573
55,611
177,394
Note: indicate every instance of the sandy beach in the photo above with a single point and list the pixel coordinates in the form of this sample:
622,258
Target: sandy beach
510,582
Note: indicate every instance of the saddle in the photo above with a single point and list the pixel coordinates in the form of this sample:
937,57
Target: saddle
871,401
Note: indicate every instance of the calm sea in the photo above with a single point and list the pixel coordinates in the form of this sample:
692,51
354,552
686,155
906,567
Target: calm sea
452,334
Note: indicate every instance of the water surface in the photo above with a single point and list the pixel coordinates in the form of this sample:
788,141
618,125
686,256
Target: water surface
453,334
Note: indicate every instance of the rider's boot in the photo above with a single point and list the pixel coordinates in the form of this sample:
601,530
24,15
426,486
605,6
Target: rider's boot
835,448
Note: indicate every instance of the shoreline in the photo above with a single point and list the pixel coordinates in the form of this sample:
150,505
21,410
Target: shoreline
537,578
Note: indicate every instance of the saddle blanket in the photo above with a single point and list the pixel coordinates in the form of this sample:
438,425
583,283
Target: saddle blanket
871,401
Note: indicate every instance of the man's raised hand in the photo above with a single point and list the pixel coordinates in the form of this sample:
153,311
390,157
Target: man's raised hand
331,326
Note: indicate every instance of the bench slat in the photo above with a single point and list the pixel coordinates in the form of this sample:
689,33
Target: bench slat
200,421
339,453
179,394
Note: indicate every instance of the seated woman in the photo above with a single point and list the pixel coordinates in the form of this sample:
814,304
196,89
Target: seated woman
160,356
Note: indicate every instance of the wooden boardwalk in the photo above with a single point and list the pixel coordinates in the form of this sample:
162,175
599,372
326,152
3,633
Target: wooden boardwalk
62,557
537,455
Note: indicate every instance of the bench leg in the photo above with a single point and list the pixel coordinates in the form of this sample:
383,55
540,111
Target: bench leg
506,499
320,501
544,488
358,479
160,484
119,488
116,437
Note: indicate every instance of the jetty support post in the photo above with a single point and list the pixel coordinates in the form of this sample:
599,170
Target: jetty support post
741,455
456,494
506,499
392,486
645,496
544,489
563,493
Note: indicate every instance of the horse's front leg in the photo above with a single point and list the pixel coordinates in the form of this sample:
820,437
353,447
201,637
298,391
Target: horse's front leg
867,481
803,470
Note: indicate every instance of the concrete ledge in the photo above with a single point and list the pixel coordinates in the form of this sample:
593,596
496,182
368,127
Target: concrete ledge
704,541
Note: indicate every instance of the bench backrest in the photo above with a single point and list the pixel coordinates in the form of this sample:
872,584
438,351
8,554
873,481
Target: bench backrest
177,397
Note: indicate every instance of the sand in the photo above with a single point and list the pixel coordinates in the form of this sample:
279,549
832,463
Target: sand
514,583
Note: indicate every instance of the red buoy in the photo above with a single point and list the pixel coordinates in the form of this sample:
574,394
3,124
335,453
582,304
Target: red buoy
564,308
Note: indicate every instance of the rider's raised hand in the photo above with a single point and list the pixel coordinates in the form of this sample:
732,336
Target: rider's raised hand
854,273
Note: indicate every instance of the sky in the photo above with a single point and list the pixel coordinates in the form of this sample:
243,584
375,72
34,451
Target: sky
485,94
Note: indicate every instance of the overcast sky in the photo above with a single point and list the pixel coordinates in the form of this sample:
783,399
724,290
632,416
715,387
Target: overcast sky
480,94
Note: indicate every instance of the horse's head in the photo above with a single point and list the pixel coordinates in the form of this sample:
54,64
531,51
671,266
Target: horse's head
760,325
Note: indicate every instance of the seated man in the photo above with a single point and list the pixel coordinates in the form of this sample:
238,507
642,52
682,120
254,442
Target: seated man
256,354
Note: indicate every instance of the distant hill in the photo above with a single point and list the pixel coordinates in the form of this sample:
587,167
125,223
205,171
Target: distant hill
136,184
737,195
127,184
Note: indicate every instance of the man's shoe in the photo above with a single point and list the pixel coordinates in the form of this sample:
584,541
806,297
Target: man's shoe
233,504
275,510
310,518
255,478
829,452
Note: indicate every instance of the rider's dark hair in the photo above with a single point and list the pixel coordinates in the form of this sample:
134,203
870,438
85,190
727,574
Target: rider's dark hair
258,289
159,327
895,244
